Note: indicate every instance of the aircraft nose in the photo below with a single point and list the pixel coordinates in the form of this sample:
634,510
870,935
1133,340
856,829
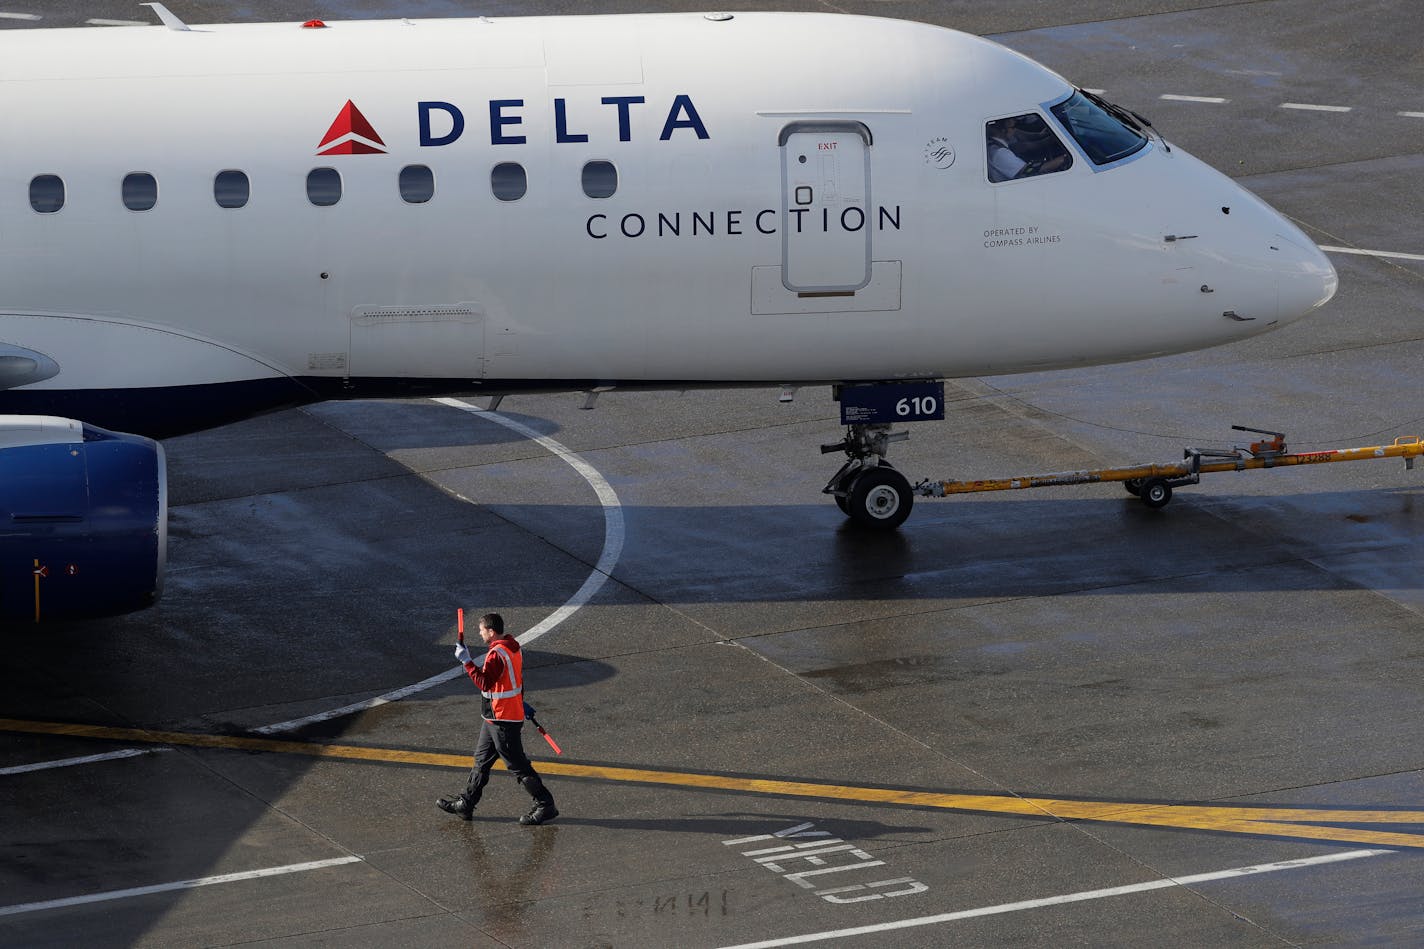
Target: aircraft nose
1305,278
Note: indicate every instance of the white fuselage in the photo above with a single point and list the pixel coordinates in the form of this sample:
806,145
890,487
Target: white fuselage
799,198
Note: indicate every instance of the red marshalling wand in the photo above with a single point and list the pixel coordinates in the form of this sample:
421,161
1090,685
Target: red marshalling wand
549,738
529,714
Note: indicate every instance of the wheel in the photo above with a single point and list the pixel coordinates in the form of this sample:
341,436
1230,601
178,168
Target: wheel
1155,493
1133,486
843,500
880,498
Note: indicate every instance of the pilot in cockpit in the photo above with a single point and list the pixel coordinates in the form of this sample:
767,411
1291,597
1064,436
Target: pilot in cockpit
1022,146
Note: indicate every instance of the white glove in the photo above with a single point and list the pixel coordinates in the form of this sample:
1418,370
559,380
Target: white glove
462,655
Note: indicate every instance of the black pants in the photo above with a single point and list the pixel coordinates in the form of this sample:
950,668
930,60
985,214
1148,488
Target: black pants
503,740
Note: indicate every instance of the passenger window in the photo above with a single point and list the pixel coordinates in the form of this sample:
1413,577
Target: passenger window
323,187
1022,146
600,179
508,181
46,193
140,191
417,184
231,189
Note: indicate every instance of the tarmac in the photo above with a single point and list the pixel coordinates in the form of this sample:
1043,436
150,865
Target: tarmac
1040,718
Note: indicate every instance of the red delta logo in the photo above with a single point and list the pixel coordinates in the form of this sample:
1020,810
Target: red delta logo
351,134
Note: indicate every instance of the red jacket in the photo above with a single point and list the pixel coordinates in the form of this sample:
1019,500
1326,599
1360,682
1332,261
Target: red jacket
501,688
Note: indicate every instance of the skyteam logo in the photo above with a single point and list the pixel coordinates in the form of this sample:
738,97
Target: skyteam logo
939,153
351,134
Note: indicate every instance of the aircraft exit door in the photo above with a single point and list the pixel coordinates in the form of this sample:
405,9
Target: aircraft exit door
825,206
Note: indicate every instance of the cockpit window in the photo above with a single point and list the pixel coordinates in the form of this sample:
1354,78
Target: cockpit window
1022,146
1106,132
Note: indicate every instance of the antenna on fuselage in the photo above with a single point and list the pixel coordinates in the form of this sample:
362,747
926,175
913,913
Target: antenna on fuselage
169,18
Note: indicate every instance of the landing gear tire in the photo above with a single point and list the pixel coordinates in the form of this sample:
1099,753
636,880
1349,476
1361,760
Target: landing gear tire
880,498
1155,493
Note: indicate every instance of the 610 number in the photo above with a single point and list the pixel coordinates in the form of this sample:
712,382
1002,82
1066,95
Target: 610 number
919,405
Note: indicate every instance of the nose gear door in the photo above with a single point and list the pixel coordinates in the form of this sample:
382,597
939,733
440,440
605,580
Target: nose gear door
825,206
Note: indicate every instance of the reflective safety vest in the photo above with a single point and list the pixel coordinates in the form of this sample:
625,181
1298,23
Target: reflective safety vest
505,701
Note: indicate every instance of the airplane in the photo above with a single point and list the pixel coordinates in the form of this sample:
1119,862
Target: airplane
204,223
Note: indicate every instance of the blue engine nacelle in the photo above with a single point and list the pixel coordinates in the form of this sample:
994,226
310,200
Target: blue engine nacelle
83,520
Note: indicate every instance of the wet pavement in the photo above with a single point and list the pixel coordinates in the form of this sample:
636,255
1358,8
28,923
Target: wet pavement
1005,724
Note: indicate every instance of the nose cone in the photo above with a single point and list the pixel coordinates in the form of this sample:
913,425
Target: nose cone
1305,278
1260,270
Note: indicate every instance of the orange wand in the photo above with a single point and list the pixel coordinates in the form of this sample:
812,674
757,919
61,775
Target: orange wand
529,714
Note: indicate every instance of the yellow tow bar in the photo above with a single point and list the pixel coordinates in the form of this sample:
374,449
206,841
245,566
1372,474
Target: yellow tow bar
1154,483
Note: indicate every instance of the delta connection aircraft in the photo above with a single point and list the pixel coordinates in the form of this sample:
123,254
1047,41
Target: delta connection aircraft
205,223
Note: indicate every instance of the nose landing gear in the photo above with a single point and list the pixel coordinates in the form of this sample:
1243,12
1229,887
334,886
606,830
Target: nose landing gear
868,489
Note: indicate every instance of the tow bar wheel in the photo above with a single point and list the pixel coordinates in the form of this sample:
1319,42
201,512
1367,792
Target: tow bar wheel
1155,492
880,498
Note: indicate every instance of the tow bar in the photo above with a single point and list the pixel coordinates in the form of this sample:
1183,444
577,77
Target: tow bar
1154,483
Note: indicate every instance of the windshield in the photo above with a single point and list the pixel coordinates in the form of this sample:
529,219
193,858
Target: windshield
1105,131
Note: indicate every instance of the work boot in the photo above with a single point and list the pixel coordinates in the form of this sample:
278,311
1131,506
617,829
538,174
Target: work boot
459,805
543,810
540,814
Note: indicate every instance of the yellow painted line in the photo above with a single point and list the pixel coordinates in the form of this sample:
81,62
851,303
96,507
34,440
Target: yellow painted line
1300,823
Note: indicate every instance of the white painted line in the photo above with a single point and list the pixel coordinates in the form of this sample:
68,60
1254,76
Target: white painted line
1096,92
1212,99
117,23
169,887
20,16
1067,898
1371,253
1316,108
386,699
613,533
613,528
1413,115
87,759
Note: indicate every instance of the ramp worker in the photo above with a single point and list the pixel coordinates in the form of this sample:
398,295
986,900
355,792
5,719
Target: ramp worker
501,684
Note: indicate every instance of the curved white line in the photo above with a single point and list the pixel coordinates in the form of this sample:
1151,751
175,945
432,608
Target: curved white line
613,531
612,518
